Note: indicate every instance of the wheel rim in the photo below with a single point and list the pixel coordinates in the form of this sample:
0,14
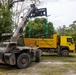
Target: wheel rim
23,61
65,53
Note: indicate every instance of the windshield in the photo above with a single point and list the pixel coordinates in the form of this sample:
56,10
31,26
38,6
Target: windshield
5,38
69,40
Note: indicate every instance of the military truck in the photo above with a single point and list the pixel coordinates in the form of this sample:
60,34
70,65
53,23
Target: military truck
20,55
57,43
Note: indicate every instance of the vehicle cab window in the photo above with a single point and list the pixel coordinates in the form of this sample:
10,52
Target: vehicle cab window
69,40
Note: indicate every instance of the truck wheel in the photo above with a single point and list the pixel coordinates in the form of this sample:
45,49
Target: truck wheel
38,55
23,61
65,53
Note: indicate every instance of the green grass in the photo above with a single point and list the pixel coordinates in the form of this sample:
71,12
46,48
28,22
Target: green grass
57,69
54,57
70,66
53,71
48,69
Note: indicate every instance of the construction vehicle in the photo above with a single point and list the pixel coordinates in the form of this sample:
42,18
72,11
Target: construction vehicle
58,44
20,55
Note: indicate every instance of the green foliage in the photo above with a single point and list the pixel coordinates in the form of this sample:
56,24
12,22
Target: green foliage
5,19
71,30
38,27
51,29
61,30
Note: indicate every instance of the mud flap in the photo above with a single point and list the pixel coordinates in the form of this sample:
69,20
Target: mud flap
9,58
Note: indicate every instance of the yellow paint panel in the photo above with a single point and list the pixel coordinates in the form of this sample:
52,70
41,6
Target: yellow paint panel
42,42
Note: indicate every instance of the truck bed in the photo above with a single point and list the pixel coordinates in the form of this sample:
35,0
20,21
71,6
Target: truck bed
40,42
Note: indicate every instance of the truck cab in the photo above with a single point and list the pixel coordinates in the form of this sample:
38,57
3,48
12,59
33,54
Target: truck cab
67,41
66,45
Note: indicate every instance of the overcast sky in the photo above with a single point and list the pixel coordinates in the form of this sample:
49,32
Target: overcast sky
63,12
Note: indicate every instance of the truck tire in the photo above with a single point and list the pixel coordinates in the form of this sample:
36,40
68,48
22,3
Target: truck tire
65,53
23,61
38,55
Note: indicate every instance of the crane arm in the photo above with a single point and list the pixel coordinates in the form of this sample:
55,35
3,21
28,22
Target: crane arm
24,21
32,12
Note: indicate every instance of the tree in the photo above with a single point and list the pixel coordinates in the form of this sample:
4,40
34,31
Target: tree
5,18
72,28
70,31
38,27
61,30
